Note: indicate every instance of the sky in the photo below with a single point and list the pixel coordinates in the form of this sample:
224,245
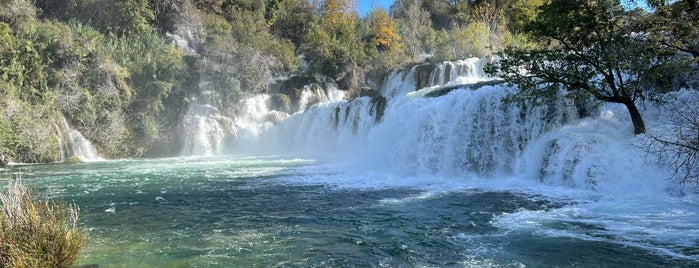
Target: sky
364,6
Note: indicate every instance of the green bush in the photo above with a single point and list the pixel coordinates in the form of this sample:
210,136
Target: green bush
36,232
472,40
281,102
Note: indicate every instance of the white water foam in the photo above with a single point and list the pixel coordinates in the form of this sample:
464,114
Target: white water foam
466,133
205,128
663,225
266,131
471,139
76,145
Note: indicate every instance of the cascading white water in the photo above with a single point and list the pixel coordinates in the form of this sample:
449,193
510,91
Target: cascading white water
468,131
401,82
205,129
257,122
74,144
460,72
322,130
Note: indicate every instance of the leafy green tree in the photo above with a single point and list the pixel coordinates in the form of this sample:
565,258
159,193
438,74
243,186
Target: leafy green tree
440,12
336,45
472,40
676,25
156,70
135,17
674,29
522,12
293,21
593,49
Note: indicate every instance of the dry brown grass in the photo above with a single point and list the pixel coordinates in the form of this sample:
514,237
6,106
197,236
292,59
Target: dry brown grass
37,232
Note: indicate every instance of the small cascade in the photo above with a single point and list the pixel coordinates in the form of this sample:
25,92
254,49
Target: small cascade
74,144
312,94
331,125
460,72
256,117
464,133
402,82
399,83
323,129
205,128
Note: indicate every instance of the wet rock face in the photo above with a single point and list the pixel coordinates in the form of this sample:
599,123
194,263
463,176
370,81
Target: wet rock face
281,102
378,107
422,75
292,88
275,117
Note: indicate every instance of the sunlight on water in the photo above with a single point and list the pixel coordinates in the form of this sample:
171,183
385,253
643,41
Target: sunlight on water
270,211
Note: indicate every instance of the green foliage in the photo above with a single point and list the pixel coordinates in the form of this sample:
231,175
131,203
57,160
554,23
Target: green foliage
592,49
217,27
156,70
335,46
675,26
415,28
135,17
473,40
19,14
103,15
440,12
36,232
293,21
522,13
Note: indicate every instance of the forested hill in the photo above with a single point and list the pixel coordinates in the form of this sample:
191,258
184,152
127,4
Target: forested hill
122,71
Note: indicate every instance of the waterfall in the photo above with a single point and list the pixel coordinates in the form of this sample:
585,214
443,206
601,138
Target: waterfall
454,121
74,144
466,71
205,129
261,128
464,133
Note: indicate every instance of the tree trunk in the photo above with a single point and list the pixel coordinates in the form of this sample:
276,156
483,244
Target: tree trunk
638,126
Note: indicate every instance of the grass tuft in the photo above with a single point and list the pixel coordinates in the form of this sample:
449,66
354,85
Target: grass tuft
37,232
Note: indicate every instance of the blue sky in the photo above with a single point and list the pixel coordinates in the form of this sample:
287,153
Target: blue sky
364,6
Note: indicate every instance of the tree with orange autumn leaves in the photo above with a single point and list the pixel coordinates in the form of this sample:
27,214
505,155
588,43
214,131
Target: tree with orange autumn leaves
384,31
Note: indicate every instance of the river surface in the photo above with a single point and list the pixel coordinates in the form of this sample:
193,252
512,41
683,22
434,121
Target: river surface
291,212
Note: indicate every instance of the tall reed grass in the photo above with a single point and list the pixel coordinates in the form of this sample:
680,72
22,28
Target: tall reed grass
37,232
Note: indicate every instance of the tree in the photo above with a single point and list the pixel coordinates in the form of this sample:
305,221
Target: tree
522,12
589,47
674,29
472,40
675,25
384,31
678,146
336,46
135,17
414,27
293,21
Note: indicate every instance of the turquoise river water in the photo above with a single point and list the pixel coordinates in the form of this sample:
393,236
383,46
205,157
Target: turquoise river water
286,212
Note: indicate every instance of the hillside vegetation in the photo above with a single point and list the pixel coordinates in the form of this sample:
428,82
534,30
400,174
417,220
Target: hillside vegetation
122,71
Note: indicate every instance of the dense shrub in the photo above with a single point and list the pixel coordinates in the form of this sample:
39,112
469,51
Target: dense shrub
36,232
